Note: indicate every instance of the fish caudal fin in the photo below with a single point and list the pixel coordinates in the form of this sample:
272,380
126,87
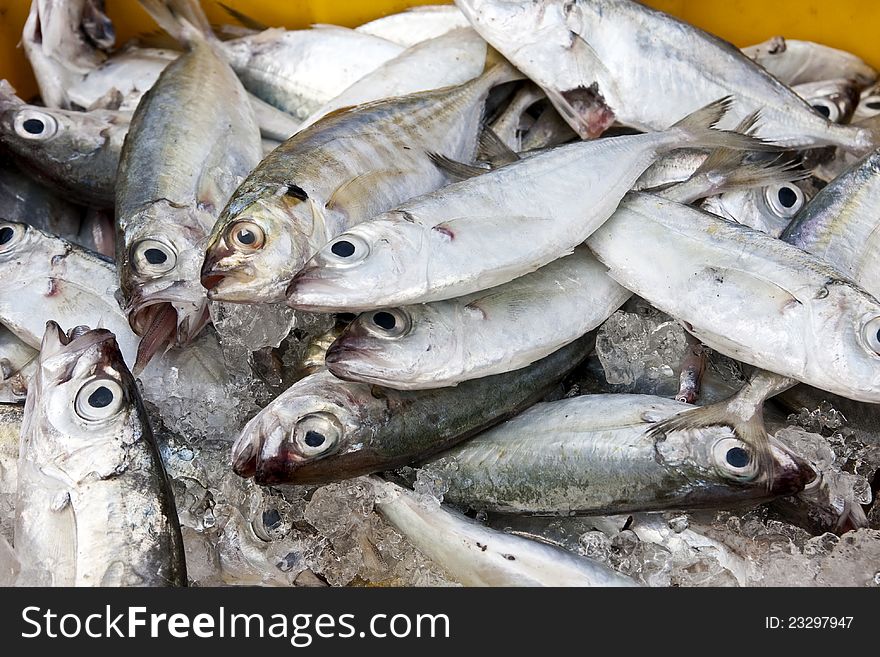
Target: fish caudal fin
182,19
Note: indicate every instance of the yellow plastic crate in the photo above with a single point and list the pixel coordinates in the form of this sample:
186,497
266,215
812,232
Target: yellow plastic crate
852,25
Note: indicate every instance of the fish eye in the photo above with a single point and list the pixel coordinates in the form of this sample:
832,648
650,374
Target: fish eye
99,399
871,335
347,249
246,235
152,257
317,434
34,125
389,323
826,108
734,459
10,234
872,103
784,200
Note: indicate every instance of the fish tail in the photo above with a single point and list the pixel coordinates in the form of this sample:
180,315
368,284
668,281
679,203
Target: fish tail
698,130
247,21
184,20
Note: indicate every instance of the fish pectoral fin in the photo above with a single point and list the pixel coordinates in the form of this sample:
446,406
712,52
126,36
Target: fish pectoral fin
766,297
458,170
354,196
495,149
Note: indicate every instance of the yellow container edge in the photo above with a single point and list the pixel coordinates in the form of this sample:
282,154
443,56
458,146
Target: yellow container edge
851,25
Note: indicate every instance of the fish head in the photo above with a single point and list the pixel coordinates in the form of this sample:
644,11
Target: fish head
365,267
82,408
869,104
768,209
159,281
256,248
17,241
50,139
307,434
718,464
63,40
836,100
393,344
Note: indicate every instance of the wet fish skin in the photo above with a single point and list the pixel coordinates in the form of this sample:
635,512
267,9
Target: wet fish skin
768,209
475,555
599,59
795,62
415,24
342,170
750,297
75,153
94,505
449,243
323,429
595,455
485,333
193,138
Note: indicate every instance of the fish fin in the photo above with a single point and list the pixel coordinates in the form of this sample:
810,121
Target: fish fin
244,19
697,128
182,19
357,192
54,339
495,149
457,170
157,39
97,26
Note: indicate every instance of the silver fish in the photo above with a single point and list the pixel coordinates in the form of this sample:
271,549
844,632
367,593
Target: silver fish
75,153
768,209
836,99
94,505
598,60
488,230
595,454
416,24
475,555
192,140
795,62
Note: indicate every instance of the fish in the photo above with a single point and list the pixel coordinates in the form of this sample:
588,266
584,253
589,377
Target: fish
323,429
94,506
507,126
439,246
415,25
840,224
74,153
596,455
598,60
292,205
869,104
444,61
794,62
17,365
836,99
768,209
193,139
475,555
749,296
499,330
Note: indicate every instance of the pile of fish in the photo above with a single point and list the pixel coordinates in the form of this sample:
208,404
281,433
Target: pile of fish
494,293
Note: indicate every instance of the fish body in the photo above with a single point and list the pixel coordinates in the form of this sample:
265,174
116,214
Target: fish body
74,153
749,296
795,62
193,139
475,555
598,60
340,171
416,24
485,333
594,454
94,505
324,429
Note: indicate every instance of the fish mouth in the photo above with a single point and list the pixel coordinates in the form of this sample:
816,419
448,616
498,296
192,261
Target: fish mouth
792,473
162,325
309,290
344,355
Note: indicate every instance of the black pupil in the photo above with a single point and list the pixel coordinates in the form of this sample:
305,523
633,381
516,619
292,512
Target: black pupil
101,397
245,236
155,256
874,104
271,519
6,234
824,110
314,439
384,320
33,126
737,457
343,248
787,197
